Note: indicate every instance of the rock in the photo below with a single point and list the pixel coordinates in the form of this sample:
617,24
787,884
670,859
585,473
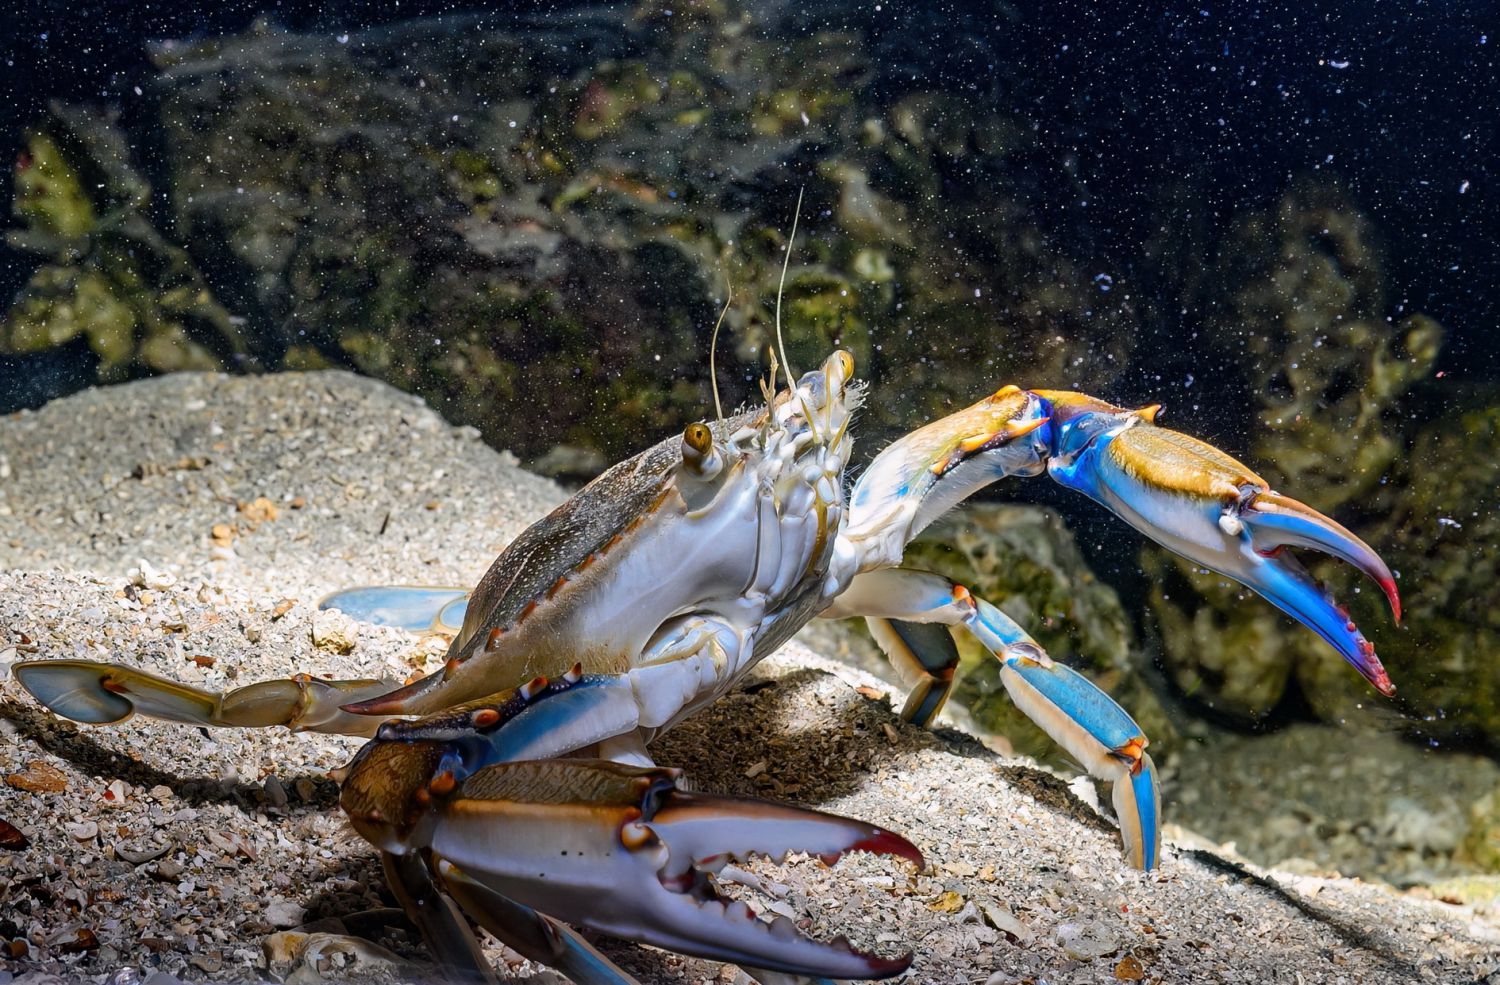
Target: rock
533,222
1481,843
38,777
147,576
312,959
1085,940
110,277
285,914
1440,534
334,631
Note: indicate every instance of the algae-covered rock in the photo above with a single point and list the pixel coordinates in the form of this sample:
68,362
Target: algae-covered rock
1481,844
1324,358
1442,536
109,276
1025,561
1325,367
533,220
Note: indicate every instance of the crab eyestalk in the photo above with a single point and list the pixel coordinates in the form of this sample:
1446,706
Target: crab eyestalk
1211,509
700,458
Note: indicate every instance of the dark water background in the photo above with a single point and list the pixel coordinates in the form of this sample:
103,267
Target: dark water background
1398,100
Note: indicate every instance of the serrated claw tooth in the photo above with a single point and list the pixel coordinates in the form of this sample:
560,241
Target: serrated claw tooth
739,911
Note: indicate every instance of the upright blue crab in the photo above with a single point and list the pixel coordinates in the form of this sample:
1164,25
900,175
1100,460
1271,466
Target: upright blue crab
514,785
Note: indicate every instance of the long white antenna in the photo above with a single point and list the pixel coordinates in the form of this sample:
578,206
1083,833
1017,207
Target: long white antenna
786,261
713,348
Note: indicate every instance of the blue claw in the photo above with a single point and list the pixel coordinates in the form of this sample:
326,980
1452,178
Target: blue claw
411,607
1204,505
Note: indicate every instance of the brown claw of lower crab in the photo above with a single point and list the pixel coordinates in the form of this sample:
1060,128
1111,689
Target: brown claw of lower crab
620,850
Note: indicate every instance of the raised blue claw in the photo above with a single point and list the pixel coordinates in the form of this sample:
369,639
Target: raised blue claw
1204,505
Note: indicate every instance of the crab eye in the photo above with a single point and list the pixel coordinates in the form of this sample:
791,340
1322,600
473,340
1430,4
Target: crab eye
698,438
846,363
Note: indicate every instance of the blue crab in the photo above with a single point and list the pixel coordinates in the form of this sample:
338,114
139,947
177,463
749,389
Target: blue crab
514,785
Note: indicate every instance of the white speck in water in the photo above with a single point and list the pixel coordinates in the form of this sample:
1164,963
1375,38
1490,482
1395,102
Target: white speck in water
1448,521
342,39
805,120
1462,188
512,124
1342,64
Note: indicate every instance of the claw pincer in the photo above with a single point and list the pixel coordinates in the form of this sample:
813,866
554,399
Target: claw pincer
1204,505
619,849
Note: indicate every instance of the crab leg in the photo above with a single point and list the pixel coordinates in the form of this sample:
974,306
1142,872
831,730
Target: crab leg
533,934
416,608
926,658
441,924
105,693
1078,716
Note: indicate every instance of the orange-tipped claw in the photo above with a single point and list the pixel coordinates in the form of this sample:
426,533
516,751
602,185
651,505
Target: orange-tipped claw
1199,502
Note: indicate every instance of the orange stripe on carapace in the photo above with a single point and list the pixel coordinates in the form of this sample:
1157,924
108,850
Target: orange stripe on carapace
484,717
557,586
114,686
